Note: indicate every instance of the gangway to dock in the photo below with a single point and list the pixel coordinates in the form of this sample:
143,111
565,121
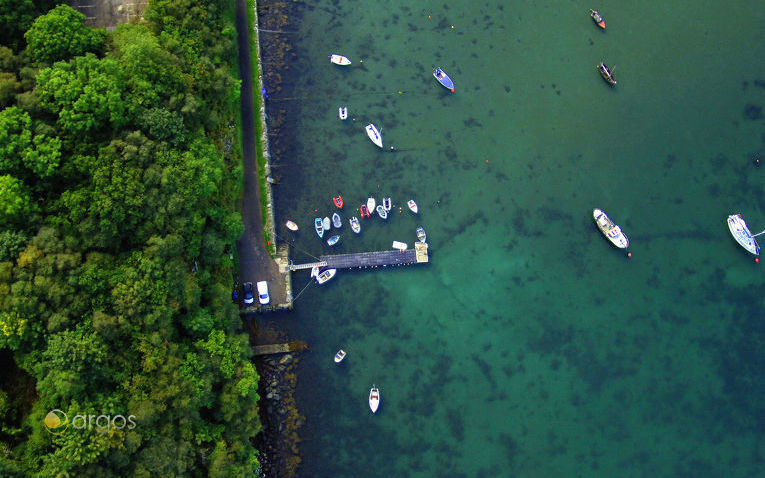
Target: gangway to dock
361,260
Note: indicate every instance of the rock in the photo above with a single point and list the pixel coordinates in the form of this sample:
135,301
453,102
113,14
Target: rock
269,396
286,360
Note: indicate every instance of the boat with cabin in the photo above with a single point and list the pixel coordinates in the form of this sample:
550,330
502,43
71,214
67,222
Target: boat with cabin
609,229
355,226
325,275
374,134
340,355
318,224
336,221
598,19
412,206
443,78
382,212
374,399
421,234
291,226
607,74
741,233
339,60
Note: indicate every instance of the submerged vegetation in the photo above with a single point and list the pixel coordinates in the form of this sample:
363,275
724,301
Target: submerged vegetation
120,170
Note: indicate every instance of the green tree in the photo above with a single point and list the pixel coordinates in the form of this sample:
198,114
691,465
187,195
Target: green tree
15,138
61,34
15,203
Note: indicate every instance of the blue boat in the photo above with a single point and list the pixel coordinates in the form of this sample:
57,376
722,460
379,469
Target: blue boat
333,240
444,79
318,224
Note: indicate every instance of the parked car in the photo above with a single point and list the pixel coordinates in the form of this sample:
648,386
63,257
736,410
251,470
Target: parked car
248,297
263,296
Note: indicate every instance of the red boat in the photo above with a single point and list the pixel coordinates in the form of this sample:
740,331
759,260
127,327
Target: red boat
338,202
364,211
598,19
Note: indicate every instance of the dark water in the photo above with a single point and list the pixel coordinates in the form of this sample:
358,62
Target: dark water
529,346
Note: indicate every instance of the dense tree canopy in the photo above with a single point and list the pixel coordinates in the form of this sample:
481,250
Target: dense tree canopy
113,183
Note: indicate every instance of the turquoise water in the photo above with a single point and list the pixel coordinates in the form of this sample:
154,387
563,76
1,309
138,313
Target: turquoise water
529,346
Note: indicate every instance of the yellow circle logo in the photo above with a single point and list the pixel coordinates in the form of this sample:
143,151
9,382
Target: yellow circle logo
56,422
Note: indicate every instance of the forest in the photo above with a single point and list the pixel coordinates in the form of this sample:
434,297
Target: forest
120,175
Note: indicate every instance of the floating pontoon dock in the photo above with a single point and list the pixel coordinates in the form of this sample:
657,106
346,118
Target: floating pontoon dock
361,260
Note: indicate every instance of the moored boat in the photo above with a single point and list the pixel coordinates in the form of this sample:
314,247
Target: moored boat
371,205
314,271
598,19
339,60
326,223
412,206
443,78
374,134
325,275
291,226
318,224
382,212
342,112
333,240
355,226
607,74
398,245
742,234
421,234
338,201
363,211
340,355
336,221
610,229
387,204
374,399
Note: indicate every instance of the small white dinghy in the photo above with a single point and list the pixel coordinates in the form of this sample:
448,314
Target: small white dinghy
374,399
336,221
342,112
325,222
371,205
291,226
742,234
387,204
314,271
374,134
339,356
339,60
401,246
412,206
355,225
382,212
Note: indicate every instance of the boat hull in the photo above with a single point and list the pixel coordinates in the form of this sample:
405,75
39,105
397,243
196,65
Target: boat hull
382,212
339,60
421,236
333,240
325,222
598,19
412,206
336,221
291,226
339,356
609,229
318,224
387,204
325,276
355,226
444,79
371,206
363,211
741,233
608,75
374,134
374,399
342,113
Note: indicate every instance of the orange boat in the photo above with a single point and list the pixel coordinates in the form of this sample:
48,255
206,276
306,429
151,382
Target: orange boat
338,201
598,19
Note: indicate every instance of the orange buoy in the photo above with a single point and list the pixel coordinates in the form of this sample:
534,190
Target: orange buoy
629,254
757,260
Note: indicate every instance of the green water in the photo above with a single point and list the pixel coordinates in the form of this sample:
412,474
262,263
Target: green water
529,346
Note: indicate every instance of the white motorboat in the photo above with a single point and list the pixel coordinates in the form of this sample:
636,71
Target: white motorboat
291,226
382,212
742,234
412,206
336,221
342,112
387,204
326,275
314,271
340,355
374,399
325,223
355,225
371,205
339,60
421,234
610,229
374,134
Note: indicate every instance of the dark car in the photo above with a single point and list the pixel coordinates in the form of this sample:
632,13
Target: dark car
249,298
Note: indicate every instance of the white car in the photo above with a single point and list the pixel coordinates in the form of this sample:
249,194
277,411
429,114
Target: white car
263,296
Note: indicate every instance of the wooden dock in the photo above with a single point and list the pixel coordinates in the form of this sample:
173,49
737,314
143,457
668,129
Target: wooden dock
295,346
361,260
